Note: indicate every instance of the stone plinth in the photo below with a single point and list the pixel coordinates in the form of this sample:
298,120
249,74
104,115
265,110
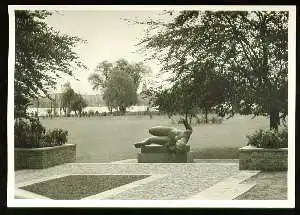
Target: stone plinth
251,158
160,154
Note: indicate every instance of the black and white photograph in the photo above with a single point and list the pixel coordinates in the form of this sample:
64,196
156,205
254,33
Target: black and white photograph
151,106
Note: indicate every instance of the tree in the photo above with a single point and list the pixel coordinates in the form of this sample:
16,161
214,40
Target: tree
181,98
42,56
104,70
121,70
248,49
120,91
67,99
148,94
78,104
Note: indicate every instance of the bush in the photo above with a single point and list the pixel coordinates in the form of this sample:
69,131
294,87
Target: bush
216,120
269,139
30,133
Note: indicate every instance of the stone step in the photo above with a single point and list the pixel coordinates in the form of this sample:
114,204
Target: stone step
227,189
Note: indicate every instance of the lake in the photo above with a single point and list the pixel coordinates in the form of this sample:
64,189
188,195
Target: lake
43,111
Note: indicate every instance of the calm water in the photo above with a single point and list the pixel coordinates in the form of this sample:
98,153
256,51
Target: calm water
43,111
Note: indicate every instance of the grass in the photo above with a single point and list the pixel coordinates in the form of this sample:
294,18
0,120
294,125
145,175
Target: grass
75,187
269,186
106,139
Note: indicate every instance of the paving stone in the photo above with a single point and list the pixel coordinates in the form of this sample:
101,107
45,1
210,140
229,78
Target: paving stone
181,180
228,189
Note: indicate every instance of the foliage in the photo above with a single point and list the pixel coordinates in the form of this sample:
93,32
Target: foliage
120,91
107,75
248,50
42,55
269,139
148,94
216,119
90,113
181,98
56,137
71,101
104,70
49,112
30,133
78,103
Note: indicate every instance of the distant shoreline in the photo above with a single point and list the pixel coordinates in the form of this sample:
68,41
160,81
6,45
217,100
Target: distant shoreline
101,109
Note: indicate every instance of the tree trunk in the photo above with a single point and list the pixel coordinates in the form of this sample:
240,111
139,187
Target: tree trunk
274,119
37,109
169,115
186,117
51,108
206,115
150,115
122,109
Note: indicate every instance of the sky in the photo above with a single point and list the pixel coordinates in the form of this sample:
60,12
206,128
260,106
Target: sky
108,37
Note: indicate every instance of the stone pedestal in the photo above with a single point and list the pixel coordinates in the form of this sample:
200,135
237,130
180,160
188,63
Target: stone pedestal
160,154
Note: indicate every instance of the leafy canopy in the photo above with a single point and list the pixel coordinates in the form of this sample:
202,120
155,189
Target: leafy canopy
248,50
42,55
119,81
120,91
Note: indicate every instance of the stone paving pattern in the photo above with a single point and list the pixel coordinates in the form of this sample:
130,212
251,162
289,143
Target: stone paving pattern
182,180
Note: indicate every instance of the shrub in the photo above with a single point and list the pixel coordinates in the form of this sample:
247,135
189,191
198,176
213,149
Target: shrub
200,120
269,139
30,133
180,121
216,120
49,112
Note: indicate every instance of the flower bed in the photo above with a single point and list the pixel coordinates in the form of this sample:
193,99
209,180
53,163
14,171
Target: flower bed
266,150
36,148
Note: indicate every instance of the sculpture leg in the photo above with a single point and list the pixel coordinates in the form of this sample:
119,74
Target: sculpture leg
153,140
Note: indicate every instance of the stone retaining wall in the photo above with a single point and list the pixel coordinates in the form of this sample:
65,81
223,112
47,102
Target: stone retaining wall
251,158
40,158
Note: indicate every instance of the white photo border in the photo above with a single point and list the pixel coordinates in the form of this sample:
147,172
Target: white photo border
290,203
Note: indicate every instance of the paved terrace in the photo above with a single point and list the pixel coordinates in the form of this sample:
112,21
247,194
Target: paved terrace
206,179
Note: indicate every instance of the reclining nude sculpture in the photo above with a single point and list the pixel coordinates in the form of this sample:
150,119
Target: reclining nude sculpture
174,139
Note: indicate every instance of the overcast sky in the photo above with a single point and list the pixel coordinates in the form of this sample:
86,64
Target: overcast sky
108,38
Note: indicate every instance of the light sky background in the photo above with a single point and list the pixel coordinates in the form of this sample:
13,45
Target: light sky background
108,36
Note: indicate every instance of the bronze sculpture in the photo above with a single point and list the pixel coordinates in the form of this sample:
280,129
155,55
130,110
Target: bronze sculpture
172,138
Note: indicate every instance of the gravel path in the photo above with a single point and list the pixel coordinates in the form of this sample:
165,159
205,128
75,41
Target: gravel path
181,180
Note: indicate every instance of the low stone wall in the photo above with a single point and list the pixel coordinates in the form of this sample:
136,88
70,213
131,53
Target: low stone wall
251,158
40,158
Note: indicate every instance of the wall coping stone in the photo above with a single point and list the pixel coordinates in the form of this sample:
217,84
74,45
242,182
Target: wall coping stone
44,148
253,148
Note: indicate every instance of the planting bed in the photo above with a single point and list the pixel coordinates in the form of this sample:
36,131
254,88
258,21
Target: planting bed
75,187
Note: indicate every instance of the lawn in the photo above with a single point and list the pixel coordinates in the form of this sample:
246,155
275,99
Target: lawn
106,139
269,186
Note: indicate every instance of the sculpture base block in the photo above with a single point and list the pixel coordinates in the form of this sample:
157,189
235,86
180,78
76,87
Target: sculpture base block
154,148
165,157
